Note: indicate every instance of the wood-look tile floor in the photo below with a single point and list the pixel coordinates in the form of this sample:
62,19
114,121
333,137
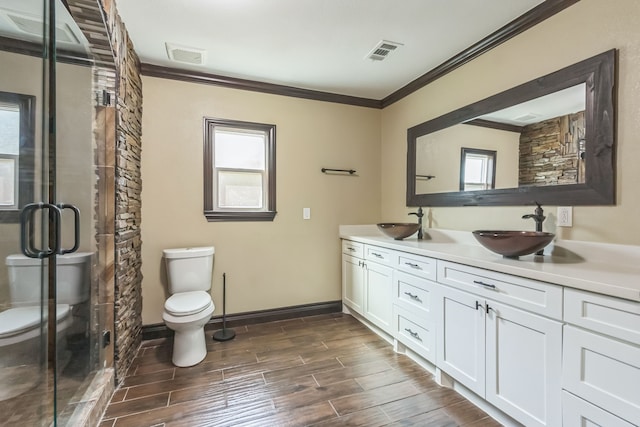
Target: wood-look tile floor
327,370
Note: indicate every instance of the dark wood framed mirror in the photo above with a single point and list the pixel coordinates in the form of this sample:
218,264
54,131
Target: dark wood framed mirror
555,139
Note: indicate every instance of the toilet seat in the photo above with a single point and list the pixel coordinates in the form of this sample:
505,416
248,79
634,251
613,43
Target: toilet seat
22,323
187,303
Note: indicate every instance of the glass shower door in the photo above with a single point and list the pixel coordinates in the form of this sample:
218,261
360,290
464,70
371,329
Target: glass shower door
49,335
75,191
27,386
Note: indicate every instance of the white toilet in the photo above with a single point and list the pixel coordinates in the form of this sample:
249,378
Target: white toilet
189,307
21,325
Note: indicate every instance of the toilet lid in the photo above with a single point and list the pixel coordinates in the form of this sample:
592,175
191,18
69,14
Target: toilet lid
187,303
21,319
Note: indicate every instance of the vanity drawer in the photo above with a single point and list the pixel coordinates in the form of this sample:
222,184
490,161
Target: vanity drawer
416,332
540,297
603,371
419,265
380,255
354,249
413,293
580,413
616,317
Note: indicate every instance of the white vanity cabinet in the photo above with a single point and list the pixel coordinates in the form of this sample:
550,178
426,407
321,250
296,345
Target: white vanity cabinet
414,322
353,276
509,356
601,372
378,292
577,412
545,354
367,282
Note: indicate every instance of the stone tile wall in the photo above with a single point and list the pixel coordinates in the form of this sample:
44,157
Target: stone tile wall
550,151
128,184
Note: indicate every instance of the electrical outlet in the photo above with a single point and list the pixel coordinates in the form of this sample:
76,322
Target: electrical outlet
565,216
306,213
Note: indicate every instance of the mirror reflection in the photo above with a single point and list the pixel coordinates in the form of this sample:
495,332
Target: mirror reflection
16,153
538,143
549,140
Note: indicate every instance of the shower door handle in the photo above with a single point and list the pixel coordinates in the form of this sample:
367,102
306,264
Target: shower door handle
76,228
26,230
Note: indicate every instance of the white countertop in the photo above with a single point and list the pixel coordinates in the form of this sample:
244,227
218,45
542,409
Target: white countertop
597,267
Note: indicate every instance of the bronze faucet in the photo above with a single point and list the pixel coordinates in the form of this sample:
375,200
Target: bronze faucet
538,217
419,214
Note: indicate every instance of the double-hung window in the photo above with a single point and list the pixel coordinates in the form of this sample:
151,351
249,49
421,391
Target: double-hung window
477,169
17,130
239,171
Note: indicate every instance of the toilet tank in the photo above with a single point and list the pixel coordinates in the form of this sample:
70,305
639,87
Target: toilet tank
73,275
189,269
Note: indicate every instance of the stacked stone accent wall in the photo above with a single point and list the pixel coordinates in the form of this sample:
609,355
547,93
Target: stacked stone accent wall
128,185
550,151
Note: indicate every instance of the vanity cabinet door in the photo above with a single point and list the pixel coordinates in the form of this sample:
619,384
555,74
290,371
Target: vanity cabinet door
580,413
603,371
353,283
527,294
378,305
416,332
460,346
524,365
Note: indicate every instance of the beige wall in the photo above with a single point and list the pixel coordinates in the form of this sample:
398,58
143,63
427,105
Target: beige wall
439,153
579,32
23,74
286,262
291,261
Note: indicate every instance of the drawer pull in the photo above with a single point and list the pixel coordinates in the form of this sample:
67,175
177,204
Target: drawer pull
413,334
413,297
351,249
486,285
412,265
377,255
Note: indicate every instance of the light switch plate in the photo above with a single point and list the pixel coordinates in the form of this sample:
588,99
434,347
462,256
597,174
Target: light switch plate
306,213
565,216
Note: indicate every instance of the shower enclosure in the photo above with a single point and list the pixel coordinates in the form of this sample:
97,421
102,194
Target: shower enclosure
53,341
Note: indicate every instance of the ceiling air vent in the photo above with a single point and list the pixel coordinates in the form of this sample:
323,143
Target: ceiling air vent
186,55
34,27
527,117
382,49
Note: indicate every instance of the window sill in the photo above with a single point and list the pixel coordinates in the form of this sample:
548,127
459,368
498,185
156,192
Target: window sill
216,216
8,216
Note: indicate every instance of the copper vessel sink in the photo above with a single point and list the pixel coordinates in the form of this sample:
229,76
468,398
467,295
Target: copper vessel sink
512,244
398,230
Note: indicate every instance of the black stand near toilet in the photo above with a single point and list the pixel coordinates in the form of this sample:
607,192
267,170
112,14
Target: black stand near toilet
224,334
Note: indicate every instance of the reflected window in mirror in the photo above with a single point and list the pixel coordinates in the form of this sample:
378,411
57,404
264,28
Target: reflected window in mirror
477,169
17,133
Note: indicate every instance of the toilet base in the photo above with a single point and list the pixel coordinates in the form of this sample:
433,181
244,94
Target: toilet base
189,347
189,344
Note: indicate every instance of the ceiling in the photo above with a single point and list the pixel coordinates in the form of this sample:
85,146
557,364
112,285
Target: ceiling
22,20
567,101
318,45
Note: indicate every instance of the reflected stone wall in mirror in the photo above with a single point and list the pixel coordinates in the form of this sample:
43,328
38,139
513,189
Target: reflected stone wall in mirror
553,136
